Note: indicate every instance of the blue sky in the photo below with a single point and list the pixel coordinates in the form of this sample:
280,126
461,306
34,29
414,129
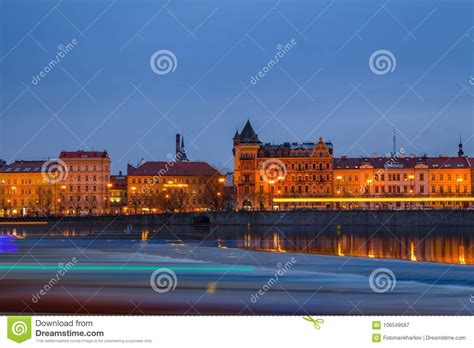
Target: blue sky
323,86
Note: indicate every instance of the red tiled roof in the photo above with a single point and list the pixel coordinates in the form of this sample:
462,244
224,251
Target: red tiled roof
173,169
84,154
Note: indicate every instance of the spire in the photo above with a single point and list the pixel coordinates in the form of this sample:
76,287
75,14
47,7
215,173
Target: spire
184,157
180,151
248,135
236,135
460,147
394,150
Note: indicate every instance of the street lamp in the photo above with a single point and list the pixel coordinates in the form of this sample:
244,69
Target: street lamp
134,192
411,177
369,182
63,189
107,196
459,181
338,178
11,193
271,182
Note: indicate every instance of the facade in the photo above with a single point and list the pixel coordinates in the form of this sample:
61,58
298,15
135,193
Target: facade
376,176
403,177
27,189
450,177
85,185
263,172
118,193
173,186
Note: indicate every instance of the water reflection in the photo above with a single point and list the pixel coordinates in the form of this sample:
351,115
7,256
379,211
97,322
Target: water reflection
447,245
440,244
7,245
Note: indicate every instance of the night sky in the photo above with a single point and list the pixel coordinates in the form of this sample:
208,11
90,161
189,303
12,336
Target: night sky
104,94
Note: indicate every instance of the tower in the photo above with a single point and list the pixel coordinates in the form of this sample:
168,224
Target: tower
245,150
179,148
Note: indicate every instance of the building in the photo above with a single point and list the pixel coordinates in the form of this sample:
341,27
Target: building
118,193
176,185
376,176
27,188
450,177
263,172
173,186
403,177
85,183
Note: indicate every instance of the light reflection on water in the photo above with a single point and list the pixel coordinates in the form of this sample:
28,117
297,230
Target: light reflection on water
440,244
7,244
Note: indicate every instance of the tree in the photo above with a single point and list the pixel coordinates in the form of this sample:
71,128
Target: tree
213,192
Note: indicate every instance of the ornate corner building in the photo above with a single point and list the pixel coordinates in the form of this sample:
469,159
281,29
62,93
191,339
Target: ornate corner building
263,172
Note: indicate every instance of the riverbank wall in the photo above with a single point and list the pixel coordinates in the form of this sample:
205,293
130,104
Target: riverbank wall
258,218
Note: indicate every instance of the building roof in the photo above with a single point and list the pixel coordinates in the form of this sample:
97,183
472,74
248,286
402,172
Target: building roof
448,162
24,167
401,162
172,169
290,149
83,154
247,135
118,181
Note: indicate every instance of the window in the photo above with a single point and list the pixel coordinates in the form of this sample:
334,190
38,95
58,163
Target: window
422,177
